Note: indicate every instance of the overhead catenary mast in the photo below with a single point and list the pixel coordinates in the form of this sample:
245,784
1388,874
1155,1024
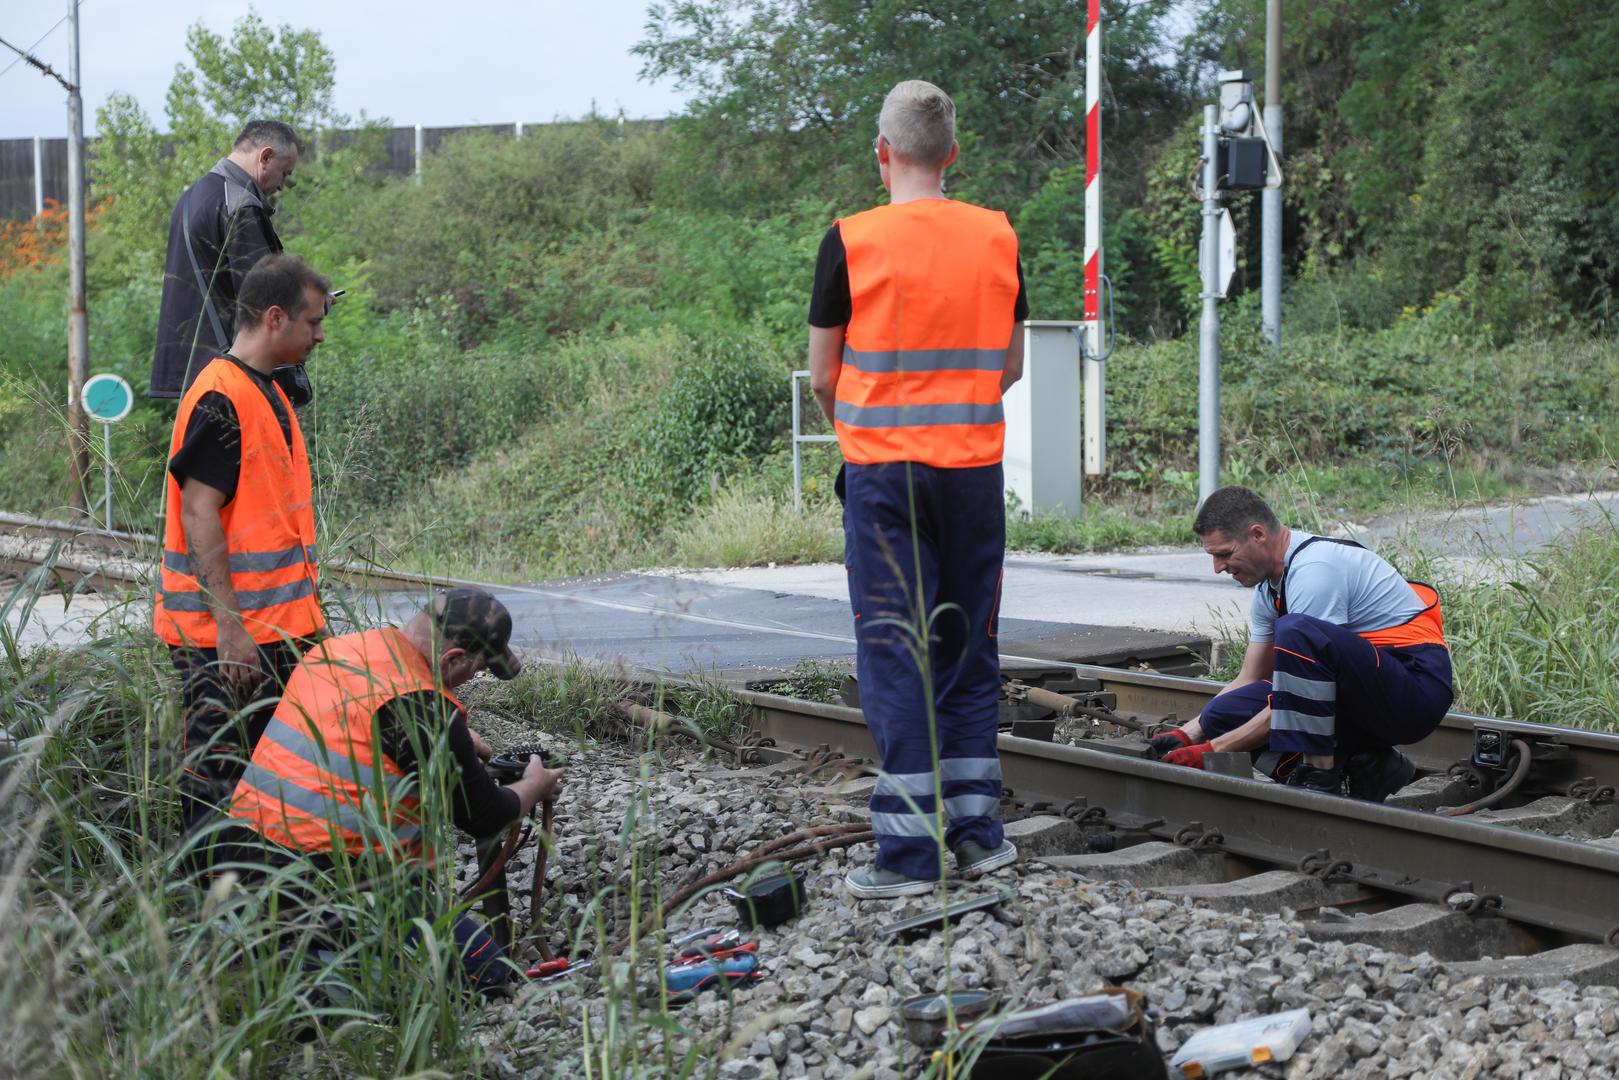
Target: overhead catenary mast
78,319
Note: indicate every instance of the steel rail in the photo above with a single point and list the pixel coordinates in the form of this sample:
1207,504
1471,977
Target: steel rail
1151,696
136,555
1559,885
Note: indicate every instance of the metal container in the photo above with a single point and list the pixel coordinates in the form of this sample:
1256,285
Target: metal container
768,901
926,1015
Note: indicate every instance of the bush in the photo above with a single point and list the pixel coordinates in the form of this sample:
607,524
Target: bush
721,409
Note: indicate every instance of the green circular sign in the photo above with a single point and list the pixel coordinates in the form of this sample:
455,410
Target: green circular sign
108,398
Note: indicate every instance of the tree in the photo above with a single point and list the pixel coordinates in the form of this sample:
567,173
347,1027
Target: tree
281,74
787,91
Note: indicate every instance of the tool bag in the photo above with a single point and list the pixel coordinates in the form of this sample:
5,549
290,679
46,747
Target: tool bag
1106,1035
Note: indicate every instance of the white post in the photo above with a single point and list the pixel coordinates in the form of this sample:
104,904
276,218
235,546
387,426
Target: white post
420,143
1095,412
519,129
39,176
1208,356
106,469
798,466
1270,200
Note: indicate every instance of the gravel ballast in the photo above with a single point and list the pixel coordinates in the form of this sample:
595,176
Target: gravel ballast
828,1005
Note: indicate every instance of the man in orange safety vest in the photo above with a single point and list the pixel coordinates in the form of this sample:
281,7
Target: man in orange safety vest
914,336
237,602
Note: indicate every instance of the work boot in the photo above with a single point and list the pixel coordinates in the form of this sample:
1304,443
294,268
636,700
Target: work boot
876,883
1374,775
1310,778
974,860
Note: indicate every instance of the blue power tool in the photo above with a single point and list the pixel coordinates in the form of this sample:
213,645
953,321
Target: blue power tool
686,981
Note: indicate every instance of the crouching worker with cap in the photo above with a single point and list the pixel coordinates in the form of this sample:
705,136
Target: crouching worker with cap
1346,659
344,762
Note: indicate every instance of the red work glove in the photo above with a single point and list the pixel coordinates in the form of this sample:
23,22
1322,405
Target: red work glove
1190,756
1173,739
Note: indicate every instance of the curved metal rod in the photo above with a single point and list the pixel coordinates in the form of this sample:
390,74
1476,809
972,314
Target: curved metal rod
1511,785
497,866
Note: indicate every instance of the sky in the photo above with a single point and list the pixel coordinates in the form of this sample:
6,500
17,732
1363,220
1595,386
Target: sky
413,62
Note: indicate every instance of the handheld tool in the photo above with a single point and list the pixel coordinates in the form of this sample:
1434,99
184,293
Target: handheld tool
719,948
686,981
549,970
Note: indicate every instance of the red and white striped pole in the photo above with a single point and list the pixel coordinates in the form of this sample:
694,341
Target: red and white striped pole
1094,414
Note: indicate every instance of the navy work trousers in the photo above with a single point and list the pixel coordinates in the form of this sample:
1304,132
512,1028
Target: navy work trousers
924,548
1334,692
223,724
1234,708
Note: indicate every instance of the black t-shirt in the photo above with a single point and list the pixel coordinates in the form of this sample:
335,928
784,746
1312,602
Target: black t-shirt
830,302
212,448
480,806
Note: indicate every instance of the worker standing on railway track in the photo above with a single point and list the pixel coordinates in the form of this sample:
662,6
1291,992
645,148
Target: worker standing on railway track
344,761
237,601
913,338
1346,658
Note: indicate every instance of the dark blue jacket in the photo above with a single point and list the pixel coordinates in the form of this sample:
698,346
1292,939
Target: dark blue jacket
228,222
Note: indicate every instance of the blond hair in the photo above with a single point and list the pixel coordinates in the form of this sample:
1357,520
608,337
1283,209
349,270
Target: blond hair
919,122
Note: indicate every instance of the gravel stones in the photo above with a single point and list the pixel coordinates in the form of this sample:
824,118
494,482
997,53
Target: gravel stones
633,827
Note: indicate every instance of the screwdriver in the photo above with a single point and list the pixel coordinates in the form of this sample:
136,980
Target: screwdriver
555,969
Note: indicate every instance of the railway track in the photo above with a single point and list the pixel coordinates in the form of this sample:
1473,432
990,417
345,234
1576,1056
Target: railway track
108,558
1532,891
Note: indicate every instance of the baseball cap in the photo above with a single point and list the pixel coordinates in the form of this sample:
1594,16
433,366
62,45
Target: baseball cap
474,620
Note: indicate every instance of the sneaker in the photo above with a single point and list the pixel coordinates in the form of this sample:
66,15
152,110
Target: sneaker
1374,775
1310,778
875,883
973,859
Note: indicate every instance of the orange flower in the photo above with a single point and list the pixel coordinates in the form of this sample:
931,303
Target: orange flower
40,241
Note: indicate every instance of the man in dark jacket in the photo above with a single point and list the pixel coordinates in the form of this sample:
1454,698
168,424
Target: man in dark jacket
220,227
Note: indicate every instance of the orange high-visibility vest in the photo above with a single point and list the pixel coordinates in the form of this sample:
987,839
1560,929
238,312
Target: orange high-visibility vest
1426,627
932,284
318,776
269,526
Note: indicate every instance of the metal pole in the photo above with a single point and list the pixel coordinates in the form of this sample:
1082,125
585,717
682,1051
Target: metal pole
1095,413
106,469
39,176
420,143
1208,356
1270,200
798,467
78,319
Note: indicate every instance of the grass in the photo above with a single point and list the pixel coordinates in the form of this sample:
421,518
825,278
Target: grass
1540,641
744,527
811,680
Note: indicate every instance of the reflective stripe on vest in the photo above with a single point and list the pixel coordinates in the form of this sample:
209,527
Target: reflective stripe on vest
269,525
319,777
932,287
